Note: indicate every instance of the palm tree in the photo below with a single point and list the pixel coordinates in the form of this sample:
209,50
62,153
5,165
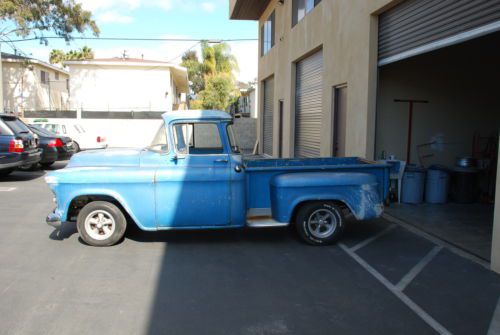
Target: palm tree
57,56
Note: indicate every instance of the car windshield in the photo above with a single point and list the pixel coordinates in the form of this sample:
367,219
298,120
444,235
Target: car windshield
233,139
37,129
160,143
53,128
16,125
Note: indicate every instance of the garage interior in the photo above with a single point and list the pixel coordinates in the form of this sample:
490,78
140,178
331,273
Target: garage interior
457,116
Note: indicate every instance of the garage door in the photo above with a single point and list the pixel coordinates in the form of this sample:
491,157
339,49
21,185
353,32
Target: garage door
308,106
267,127
417,26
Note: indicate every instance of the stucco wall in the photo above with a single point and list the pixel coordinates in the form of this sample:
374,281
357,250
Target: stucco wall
23,89
115,88
346,32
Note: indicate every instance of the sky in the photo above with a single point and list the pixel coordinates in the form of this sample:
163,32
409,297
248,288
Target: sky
177,19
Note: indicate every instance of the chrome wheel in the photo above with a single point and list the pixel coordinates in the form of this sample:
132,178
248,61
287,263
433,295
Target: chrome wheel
100,225
322,223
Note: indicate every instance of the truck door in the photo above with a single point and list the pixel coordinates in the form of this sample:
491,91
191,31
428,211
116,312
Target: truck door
193,188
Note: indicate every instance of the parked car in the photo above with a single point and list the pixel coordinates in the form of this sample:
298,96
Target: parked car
193,176
54,147
18,145
82,140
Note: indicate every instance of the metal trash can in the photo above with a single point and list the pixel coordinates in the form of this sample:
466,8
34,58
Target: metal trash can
413,185
437,184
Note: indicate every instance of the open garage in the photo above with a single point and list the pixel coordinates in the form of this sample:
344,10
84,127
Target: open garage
438,107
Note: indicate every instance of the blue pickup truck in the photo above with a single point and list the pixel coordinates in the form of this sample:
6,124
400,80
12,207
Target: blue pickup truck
193,176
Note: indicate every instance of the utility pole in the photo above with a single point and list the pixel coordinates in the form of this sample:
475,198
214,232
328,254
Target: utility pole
410,103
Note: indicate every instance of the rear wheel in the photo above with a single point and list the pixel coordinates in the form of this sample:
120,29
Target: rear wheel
76,146
319,223
101,224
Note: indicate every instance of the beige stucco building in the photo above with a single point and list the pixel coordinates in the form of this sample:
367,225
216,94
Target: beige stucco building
336,78
33,85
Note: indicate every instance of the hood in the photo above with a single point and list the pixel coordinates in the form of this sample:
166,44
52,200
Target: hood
107,158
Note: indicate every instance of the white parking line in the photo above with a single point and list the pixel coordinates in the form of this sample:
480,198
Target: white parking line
403,297
364,243
7,189
418,268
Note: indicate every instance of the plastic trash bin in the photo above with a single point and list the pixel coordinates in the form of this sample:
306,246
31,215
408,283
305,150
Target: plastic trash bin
413,185
437,184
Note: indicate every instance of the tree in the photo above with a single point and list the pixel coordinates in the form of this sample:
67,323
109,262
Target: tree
219,92
59,56
212,78
63,17
195,74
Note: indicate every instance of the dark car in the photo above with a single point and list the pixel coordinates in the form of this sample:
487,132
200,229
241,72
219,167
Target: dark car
18,144
54,147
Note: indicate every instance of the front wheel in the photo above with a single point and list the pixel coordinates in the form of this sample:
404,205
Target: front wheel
101,224
319,223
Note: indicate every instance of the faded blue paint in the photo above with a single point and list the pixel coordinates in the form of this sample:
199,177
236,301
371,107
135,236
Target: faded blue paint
356,190
173,191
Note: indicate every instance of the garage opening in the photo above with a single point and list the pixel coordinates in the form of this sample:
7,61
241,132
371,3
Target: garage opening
454,130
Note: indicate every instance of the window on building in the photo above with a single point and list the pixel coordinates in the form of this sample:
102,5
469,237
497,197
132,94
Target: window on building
56,75
44,77
301,8
267,34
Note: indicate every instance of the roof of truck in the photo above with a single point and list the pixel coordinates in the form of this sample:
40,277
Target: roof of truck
196,115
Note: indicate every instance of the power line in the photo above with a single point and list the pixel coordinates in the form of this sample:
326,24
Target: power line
137,39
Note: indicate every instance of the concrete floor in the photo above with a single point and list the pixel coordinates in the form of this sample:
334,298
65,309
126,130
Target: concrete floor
467,226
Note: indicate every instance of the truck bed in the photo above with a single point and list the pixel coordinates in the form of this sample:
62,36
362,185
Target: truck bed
259,172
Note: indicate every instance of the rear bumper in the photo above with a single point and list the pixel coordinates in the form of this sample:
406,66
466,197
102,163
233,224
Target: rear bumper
19,159
53,220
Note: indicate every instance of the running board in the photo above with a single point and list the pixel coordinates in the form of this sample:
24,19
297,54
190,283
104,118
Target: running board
261,218
264,222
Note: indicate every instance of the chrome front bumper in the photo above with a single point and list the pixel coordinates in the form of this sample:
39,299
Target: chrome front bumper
53,220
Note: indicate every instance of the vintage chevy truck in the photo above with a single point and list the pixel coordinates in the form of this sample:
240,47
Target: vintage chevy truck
193,176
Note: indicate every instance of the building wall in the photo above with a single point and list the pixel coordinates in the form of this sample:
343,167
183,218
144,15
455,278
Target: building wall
116,88
346,32
24,90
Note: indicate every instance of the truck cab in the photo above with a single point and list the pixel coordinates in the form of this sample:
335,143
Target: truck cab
193,176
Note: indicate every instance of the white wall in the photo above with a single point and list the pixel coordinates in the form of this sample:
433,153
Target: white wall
115,88
119,133
23,89
461,85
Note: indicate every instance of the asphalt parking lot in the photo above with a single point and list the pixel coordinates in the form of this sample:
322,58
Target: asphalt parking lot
381,279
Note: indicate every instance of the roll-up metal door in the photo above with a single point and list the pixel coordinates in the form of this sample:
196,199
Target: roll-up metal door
308,106
267,127
417,26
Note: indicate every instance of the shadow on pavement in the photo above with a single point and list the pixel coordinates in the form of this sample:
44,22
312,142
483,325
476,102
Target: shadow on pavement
22,176
67,230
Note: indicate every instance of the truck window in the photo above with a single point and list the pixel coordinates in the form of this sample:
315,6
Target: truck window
197,139
160,143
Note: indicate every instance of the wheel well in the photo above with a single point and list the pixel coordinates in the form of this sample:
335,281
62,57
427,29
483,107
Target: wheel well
345,209
79,202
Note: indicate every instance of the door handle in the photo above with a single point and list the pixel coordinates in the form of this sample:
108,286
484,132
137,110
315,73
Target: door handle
222,160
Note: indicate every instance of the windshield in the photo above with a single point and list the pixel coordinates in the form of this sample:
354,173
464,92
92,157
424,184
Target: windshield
233,139
16,125
160,143
39,130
